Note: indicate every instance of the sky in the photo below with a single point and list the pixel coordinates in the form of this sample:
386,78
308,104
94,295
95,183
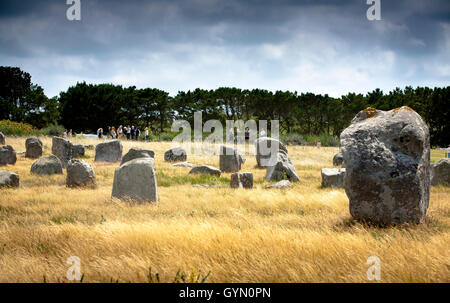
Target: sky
326,47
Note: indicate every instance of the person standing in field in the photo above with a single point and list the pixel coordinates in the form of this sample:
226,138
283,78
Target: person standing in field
65,133
319,144
119,132
133,132
247,134
138,133
262,133
146,134
113,133
128,132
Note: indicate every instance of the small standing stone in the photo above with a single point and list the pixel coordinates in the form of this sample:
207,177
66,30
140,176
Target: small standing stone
333,177
7,155
440,172
136,179
47,165
110,151
80,174
206,170
283,169
2,139
78,150
33,147
229,160
241,180
338,159
135,153
176,154
62,148
8,179
280,185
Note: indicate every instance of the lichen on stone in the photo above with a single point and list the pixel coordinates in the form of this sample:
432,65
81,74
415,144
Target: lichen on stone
370,112
402,108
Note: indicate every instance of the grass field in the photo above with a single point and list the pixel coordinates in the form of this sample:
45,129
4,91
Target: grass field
302,234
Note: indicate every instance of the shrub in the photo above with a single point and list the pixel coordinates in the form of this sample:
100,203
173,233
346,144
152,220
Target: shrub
12,128
53,130
293,139
166,136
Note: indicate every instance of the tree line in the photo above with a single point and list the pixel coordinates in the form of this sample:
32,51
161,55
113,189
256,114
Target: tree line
86,107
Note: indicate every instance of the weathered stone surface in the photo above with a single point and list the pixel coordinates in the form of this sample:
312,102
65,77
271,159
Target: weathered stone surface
280,185
62,148
136,179
205,169
80,174
110,151
176,154
7,155
283,169
387,160
333,177
2,139
47,165
241,180
266,151
230,159
8,179
440,173
338,159
33,148
78,150
135,153
184,164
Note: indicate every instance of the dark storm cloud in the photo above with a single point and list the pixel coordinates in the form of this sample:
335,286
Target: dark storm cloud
298,45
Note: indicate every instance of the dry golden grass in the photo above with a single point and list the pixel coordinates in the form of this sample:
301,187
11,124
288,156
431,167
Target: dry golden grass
303,234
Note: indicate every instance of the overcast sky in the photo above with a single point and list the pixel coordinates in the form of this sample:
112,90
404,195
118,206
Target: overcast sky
305,46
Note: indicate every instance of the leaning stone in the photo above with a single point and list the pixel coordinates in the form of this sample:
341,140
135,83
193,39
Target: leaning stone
184,164
47,165
136,180
205,169
8,179
78,150
266,151
387,160
241,180
2,139
440,173
7,155
283,169
230,159
33,147
135,153
110,151
176,154
280,185
333,177
80,174
62,148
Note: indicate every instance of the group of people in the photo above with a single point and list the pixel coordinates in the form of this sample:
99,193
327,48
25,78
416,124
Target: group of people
122,132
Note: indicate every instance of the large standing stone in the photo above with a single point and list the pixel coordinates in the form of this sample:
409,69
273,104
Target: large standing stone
135,153
206,170
80,174
136,179
333,177
7,155
2,139
33,148
176,154
440,173
266,151
78,150
230,159
62,148
47,165
338,159
241,180
110,151
387,159
8,179
283,169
